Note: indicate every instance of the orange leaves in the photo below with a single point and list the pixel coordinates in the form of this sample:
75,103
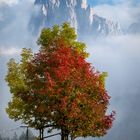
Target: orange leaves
64,103
49,81
107,120
41,108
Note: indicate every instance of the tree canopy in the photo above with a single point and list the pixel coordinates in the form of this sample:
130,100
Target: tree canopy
58,88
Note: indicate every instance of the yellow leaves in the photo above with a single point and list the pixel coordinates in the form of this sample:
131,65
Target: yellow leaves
26,55
61,35
15,77
15,109
102,77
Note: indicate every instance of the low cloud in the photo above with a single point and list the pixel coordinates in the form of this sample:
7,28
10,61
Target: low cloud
14,35
120,57
14,21
9,2
9,51
124,13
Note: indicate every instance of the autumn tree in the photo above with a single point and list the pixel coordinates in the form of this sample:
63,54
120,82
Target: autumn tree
58,88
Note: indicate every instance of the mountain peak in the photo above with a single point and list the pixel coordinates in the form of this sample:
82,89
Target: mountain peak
84,4
80,15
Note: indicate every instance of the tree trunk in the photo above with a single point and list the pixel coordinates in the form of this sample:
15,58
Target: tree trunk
39,134
42,134
64,137
72,138
64,134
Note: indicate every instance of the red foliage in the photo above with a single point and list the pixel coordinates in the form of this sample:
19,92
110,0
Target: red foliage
75,95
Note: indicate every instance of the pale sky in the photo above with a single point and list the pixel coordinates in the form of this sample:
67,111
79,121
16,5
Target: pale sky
119,56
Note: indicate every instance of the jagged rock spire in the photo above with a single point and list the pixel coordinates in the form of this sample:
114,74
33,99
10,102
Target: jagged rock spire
77,13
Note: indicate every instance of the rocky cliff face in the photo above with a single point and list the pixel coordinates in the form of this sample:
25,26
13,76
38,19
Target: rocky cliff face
134,28
76,12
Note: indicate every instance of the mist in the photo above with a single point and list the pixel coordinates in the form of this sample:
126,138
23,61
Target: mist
14,26
14,35
119,56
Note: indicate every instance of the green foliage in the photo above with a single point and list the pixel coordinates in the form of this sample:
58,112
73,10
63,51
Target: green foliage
64,34
17,72
15,108
102,77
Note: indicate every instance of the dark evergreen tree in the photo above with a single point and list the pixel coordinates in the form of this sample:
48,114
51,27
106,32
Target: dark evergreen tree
0,137
22,136
30,135
15,137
